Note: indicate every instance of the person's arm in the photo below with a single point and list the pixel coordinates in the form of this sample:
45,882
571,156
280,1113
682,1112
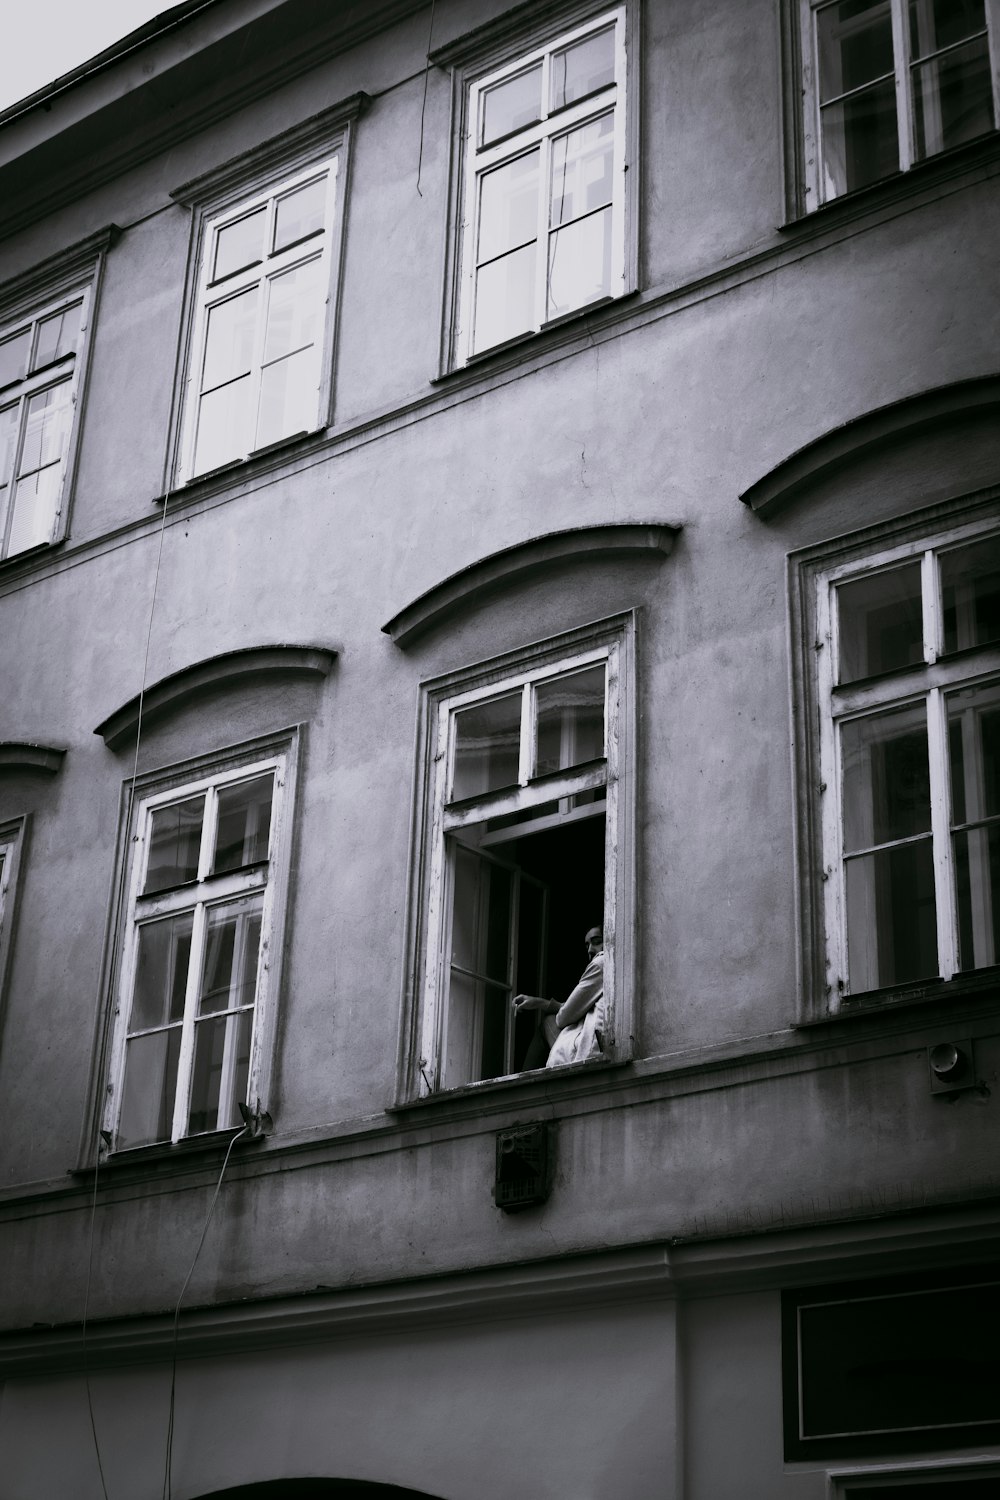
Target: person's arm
585,996
536,1002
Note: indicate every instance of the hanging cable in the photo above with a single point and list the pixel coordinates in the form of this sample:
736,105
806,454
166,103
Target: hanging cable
119,896
423,102
167,1467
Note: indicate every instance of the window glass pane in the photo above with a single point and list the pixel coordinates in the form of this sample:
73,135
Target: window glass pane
487,744
288,397
149,1088
508,206
510,105
14,356
240,244
299,214
860,143
57,336
886,778
853,44
891,926
232,944
584,67
220,1072
46,427
161,973
244,823
581,170
952,98
8,440
881,623
36,500
480,936
579,264
505,298
174,842
293,306
940,23
229,339
970,592
569,720
974,746
224,430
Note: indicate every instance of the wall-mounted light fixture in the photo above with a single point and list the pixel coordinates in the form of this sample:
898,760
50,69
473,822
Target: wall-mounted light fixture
952,1067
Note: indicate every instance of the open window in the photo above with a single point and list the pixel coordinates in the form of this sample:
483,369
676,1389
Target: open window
199,971
908,678
524,851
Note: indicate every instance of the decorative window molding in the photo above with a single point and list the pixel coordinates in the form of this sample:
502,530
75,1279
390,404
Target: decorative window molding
863,1373
46,318
206,850
13,834
898,747
945,404
545,181
491,574
257,363
23,755
175,691
887,84
523,831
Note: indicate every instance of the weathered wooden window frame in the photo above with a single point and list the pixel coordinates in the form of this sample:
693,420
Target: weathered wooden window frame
208,775
74,276
227,193
13,832
426,984
823,707
481,60
803,36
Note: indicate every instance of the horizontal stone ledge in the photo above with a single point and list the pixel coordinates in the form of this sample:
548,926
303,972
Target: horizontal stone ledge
26,755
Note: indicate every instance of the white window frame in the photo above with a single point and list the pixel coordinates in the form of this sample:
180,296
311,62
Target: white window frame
12,837
70,277
426,993
927,684
476,162
225,195
198,898
812,154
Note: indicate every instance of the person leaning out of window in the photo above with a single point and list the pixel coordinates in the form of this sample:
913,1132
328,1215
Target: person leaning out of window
573,1031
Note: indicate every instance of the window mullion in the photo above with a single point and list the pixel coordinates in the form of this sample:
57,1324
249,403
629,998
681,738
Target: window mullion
544,200
257,358
209,827
192,991
930,589
904,104
944,886
525,754
993,46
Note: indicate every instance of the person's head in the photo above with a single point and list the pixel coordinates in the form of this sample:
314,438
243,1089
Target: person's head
594,941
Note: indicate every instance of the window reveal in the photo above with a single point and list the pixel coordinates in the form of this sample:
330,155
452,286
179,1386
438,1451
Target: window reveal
892,82
195,976
544,222
911,753
39,360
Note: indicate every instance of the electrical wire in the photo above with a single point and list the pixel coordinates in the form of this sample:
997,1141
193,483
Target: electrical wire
423,102
168,1461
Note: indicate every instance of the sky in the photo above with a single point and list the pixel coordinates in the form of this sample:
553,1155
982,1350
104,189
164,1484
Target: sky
44,38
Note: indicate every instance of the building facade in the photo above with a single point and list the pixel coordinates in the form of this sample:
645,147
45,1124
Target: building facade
473,477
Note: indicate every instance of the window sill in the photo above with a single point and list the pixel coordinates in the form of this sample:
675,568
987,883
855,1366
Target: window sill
192,1148
532,1082
937,169
536,340
234,467
918,994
